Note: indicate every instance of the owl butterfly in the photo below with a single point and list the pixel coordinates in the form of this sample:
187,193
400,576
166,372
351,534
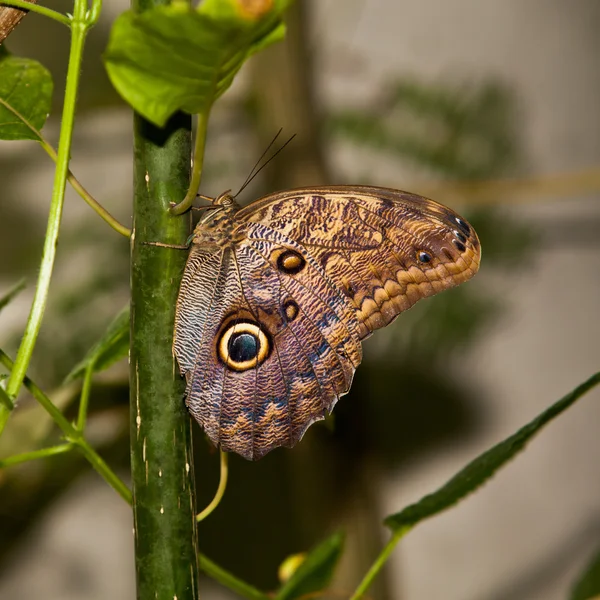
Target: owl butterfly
277,297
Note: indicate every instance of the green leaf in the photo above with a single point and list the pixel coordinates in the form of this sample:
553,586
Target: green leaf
315,573
14,291
484,466
176,57
111,347
25,93
588,584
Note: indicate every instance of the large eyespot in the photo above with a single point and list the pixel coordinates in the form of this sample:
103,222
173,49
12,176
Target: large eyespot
290,262
243,346
424,257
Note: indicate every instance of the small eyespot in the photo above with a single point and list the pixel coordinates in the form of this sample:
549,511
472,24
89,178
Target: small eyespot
347,288
424,257
290,262
291,310
459,245
463,225
243,346
460,236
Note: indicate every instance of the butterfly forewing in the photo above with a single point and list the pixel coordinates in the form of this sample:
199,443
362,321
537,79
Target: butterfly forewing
277,296
384,249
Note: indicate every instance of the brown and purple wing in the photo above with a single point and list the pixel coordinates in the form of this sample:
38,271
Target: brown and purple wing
384,249
275,345
270,320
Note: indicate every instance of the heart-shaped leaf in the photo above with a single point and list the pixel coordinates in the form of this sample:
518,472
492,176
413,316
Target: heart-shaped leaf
25,95
176,57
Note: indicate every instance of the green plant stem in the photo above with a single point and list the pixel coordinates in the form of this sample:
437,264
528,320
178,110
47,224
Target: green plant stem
4,416
12,293
88,198
42,10
95,11
34,322
230,581
220,489
209,567
161,429
379,563
5,400
39,395
75,184
199,145
34,455
161,451
162,471
103,469
72,435
86,388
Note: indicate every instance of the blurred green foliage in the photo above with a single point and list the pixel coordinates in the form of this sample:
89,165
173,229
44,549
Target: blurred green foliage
459,131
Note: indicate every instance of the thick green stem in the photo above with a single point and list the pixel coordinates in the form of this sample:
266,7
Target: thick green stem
79,29
161,454
166,550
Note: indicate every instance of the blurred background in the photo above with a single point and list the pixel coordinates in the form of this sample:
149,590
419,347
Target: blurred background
490,107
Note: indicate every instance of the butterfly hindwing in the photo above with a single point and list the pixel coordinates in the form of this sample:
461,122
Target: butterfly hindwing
310,350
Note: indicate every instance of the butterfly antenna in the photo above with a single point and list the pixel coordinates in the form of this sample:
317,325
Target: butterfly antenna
256,169
258,161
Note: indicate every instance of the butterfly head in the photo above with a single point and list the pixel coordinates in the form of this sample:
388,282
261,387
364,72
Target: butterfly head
226,200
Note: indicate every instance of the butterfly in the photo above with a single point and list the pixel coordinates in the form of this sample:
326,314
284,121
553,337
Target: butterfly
277,296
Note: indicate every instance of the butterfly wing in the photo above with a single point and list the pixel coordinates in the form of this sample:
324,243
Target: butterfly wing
265,352
270,320
384,249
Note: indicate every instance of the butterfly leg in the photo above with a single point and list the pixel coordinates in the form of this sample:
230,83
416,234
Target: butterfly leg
207,198
161,245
